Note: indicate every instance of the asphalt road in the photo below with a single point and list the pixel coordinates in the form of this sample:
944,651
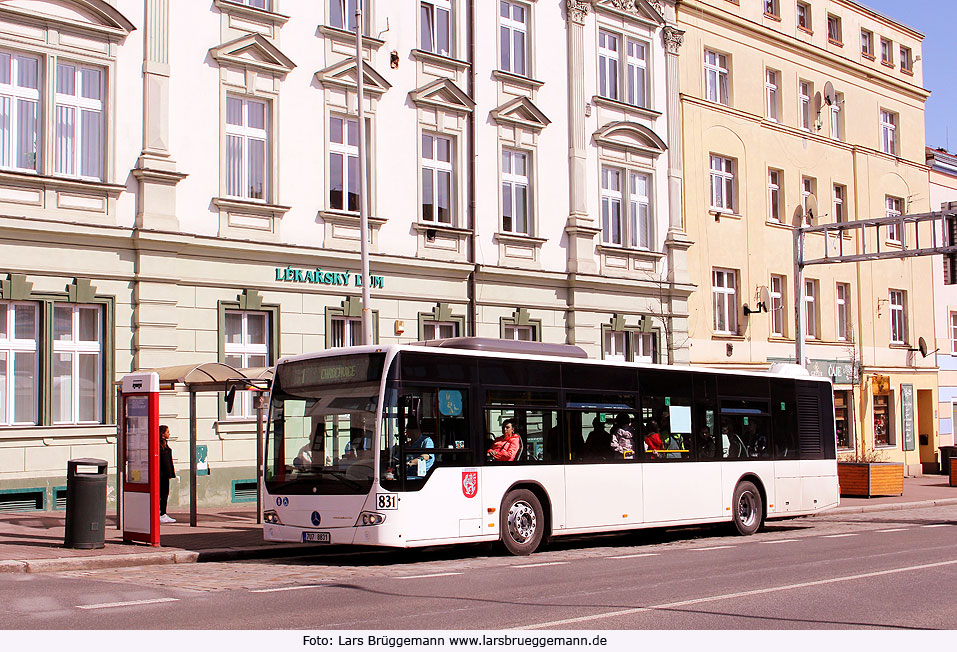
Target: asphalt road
894,570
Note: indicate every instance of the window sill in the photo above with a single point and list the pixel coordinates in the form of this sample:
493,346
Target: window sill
809,32
423,56
778,225
624,106
518,80
349,38
731,337
908,71
245,219
630,251
250,205
59,198
887,64
839,44
349,217
869,57
718,213
441,241
505,236
245,11
773,17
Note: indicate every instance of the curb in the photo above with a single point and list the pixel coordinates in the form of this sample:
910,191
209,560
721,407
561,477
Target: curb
888,507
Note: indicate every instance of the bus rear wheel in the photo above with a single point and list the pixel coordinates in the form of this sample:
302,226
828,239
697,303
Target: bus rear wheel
747,508
523,522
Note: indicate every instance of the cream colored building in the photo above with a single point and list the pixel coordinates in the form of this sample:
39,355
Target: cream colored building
178,185
785,105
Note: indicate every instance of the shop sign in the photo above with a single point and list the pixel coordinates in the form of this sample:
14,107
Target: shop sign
321,277
841,372
907,415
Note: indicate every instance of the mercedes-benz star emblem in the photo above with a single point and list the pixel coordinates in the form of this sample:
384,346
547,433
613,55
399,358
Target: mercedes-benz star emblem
316,519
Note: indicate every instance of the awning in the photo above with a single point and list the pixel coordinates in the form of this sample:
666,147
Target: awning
207,376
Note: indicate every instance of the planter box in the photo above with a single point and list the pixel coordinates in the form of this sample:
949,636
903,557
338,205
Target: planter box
953,473
870,479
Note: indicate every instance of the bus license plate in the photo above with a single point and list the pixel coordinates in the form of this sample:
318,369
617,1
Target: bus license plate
316,537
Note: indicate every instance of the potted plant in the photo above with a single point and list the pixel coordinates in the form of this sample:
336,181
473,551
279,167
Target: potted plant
864,473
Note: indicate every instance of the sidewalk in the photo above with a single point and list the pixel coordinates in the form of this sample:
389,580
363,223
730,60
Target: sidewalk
32,542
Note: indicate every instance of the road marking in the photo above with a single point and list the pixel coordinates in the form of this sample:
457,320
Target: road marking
728,596
713,548
838,536
643,554
132,603
781,541
288,588
415,577
893,529
545,563
937,525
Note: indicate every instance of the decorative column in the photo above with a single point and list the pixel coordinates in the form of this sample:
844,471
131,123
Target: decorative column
155,169
677,241
580,227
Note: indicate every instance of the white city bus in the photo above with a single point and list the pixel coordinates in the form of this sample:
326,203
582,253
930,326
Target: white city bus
388,445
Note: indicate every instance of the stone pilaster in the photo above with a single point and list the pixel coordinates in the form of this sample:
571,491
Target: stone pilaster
677,241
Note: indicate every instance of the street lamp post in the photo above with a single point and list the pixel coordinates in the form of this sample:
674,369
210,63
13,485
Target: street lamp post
363,210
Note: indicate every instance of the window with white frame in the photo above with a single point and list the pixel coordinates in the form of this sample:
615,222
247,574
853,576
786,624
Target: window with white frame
808,190
898,317
247,147
437,177
843,310
439,330
887,52
771,95
629,346
774,195
342,14
839,212
893,209
834,34
343,164
435,17
19,363
776,292
837,117
953,337
805,92
19,111
888,132
804,16
810,308
716,77
258,4
79,131
346,331
636,230
522,333
771,8
636,81
513,37
515,197
246,344
77,364
724,290
617,53
608,65
907,60
867,43
722,184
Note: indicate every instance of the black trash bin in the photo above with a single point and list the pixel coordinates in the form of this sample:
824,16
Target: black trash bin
946,453
85,504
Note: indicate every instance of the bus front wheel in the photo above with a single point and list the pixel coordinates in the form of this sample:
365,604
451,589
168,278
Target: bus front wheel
747,508
523,522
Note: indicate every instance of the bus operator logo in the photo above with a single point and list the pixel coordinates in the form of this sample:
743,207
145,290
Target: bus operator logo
470,483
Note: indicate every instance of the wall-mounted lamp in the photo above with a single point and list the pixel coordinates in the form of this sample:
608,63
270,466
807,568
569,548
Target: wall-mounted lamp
394,59
399,327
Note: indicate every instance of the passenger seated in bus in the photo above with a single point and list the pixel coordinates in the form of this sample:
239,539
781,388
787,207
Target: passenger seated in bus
706,445
506,447
673,445
313,452
623,436
598,442
419,465
653,442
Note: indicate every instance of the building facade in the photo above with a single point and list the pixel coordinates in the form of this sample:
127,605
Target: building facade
810,112
179,184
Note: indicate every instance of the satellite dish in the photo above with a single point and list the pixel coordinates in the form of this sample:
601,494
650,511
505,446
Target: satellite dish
829,95
764,298
810,208
922,346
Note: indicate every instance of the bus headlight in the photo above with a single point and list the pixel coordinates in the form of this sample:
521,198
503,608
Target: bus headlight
271,517
370,518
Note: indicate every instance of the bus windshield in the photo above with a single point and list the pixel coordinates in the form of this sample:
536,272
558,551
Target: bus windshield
322,420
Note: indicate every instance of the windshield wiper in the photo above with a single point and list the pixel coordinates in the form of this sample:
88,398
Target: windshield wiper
342,476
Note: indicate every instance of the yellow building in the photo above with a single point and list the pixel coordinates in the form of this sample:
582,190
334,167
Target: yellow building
810,111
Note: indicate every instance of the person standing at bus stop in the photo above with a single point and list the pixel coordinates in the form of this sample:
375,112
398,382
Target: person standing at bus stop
166,471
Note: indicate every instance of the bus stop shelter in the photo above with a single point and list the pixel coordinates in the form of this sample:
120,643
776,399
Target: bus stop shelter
209,377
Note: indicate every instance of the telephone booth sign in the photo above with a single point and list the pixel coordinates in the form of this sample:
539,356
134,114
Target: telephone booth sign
140,449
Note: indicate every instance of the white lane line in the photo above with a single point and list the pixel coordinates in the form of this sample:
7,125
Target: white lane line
712,548
838,536
416,577
545,563
781,541
893,529
937,525
288,588
643,554
132,603
728,596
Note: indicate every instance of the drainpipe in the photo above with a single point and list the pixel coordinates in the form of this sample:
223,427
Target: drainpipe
471,324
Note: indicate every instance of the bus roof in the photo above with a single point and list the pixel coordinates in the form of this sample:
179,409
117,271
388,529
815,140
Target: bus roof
491,348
